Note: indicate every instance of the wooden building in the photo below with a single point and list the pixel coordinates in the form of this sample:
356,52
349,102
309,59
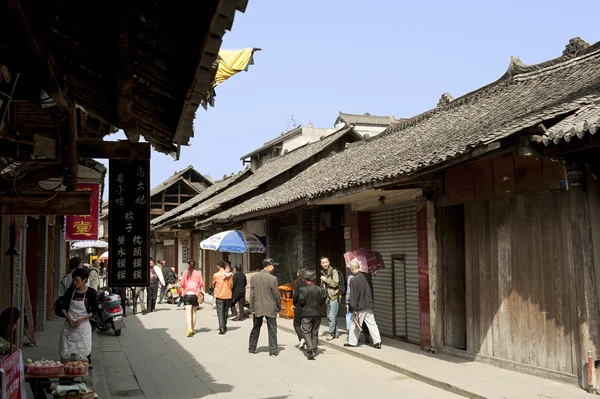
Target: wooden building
486,209
70,75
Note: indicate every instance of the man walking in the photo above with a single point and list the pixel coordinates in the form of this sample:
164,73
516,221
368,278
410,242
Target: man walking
156,277
361,308
264,302
139,294
169,277
94,278
223,285
310,300
330,280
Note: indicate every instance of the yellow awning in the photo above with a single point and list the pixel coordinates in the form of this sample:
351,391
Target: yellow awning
232,62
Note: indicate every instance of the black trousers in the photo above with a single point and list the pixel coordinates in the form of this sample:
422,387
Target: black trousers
240,301
223,306
152,293
271,329
298,327
310,330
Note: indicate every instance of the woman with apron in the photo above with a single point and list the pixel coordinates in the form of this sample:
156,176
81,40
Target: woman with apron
79,305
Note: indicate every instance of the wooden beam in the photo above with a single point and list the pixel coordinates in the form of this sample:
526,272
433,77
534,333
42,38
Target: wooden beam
53,86
37,175
45,203
114,150
70,151
125,81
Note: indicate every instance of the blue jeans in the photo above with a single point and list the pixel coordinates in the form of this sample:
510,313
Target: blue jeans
333,306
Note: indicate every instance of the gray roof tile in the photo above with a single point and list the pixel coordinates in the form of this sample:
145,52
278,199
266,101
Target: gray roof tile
523,97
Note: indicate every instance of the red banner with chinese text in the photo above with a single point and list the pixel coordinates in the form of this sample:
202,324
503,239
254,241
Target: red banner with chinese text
85,227
12,377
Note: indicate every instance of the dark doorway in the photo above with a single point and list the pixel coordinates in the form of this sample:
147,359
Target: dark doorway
453,266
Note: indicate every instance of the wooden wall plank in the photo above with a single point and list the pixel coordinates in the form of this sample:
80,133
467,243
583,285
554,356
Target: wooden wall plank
553,173
469,211
571,288
498,349
483,180
486,282
505,280
504,175
528,174
459,185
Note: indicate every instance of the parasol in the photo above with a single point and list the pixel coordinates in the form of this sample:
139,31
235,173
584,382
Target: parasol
369,261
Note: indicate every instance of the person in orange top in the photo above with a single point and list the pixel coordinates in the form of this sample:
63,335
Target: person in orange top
223,284
191,283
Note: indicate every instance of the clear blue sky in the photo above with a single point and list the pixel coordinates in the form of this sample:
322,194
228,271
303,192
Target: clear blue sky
381,56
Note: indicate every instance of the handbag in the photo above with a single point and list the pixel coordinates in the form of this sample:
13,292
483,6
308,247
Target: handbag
58,307
200,298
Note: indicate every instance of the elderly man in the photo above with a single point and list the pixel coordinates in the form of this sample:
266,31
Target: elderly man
265,302
361,308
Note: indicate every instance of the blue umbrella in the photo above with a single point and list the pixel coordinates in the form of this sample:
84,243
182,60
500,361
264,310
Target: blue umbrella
234,241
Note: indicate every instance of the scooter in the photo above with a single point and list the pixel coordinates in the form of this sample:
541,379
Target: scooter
110,313
172,294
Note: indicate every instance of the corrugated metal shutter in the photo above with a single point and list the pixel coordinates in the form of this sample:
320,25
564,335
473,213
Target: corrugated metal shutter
394,231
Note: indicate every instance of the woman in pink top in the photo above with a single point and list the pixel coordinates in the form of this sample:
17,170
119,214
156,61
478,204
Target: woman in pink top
191,283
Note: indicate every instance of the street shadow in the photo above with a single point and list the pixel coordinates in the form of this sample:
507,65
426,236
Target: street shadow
135,359
203,330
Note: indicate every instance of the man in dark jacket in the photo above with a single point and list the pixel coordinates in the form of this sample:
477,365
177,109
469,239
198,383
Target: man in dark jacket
170,278
264,302
310,300
300,282
238,293
361,307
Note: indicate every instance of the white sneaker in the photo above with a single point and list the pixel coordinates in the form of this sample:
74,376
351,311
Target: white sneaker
301,344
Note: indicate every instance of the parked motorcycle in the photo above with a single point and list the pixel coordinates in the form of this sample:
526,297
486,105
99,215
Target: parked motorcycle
172,294
110,313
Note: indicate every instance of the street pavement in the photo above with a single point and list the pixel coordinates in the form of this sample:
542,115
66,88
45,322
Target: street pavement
154,359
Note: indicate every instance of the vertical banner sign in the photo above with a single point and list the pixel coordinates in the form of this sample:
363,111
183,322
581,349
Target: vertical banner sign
129,223
12,377
85,227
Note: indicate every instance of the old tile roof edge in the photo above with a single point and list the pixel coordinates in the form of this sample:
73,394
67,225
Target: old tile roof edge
276,140
516,71
174,178
383,120
332,137
210,192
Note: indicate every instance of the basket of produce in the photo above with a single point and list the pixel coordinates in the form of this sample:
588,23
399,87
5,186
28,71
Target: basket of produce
76,368
76,391
44,367
5,346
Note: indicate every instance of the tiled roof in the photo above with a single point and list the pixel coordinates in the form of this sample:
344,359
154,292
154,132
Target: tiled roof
281,138
522,98
171,180
273,168
216,188
586,119
365,119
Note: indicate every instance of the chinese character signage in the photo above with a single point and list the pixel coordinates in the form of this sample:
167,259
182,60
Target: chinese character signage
84,227
12,377
129,223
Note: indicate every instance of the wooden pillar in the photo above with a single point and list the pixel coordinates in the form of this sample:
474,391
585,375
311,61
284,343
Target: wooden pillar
70,152
580,250
423,267
361,230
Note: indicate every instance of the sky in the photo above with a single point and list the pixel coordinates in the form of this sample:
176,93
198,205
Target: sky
385,57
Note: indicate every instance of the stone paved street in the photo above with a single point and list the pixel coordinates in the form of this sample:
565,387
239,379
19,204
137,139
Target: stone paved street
154,359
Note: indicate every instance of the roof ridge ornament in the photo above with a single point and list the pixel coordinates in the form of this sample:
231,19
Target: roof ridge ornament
575,47
515,65
445,99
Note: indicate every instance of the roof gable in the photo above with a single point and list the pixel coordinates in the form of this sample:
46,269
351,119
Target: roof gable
180,176
269,171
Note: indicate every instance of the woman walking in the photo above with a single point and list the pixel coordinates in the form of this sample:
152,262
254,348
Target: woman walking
300,282
238,293
310,300
79,305
191,283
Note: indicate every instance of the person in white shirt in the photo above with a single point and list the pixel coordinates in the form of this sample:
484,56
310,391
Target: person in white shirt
156,278
67,281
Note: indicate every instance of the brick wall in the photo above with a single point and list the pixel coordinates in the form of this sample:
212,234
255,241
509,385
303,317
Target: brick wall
42,271
307,236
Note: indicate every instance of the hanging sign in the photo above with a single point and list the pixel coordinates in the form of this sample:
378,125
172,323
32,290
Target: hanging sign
129,223
85,227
